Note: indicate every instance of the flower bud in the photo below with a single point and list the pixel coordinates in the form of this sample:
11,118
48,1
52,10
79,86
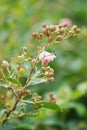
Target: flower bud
46,73
50,74
60,26
44,25
59,38
35,34
24,49
34,100
74,27
28,91
52,28
39,98
43,69
49,39
10,87
5,63
70,32
44,31
51,70
48,68
51,79
20,91
77,30
34,61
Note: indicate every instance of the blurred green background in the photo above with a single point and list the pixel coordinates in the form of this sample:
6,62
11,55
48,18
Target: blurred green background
18,19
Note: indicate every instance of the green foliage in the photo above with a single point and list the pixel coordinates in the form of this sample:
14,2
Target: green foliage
18,19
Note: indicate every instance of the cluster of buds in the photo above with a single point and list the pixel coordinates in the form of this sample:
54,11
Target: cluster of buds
48,30
55,33
52,98
49,73
22,92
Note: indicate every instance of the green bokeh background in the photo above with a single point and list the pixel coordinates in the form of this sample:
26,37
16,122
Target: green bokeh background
18,19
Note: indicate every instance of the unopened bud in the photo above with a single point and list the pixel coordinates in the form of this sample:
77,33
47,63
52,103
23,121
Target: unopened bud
51,79
34,61
44,25
52,27
28,91
51,74
39,98
49,39
10,87
20,91
65,25
77,30
43,69
60,26
52,98
40,35
61,30
48,32
70,32
44,31
24,49
74,27
48,68
46,73
35,34
59,38
52,70
5,63
34,100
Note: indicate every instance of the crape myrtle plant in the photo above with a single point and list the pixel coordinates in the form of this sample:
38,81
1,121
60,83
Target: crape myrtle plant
22,72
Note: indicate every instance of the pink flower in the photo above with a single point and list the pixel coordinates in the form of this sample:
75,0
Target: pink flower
46,57
66,21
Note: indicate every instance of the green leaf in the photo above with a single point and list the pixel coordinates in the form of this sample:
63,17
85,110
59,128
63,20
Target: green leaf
24,127
14,81
27,66
2,85
49,105
37,81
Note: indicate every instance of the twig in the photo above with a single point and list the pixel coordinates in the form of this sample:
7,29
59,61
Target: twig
12,109
29,77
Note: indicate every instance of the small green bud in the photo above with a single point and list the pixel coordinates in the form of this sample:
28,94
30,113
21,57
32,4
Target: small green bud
74,27
46,73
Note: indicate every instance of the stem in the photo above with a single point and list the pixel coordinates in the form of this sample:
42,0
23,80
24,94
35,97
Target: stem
12,109
29,77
